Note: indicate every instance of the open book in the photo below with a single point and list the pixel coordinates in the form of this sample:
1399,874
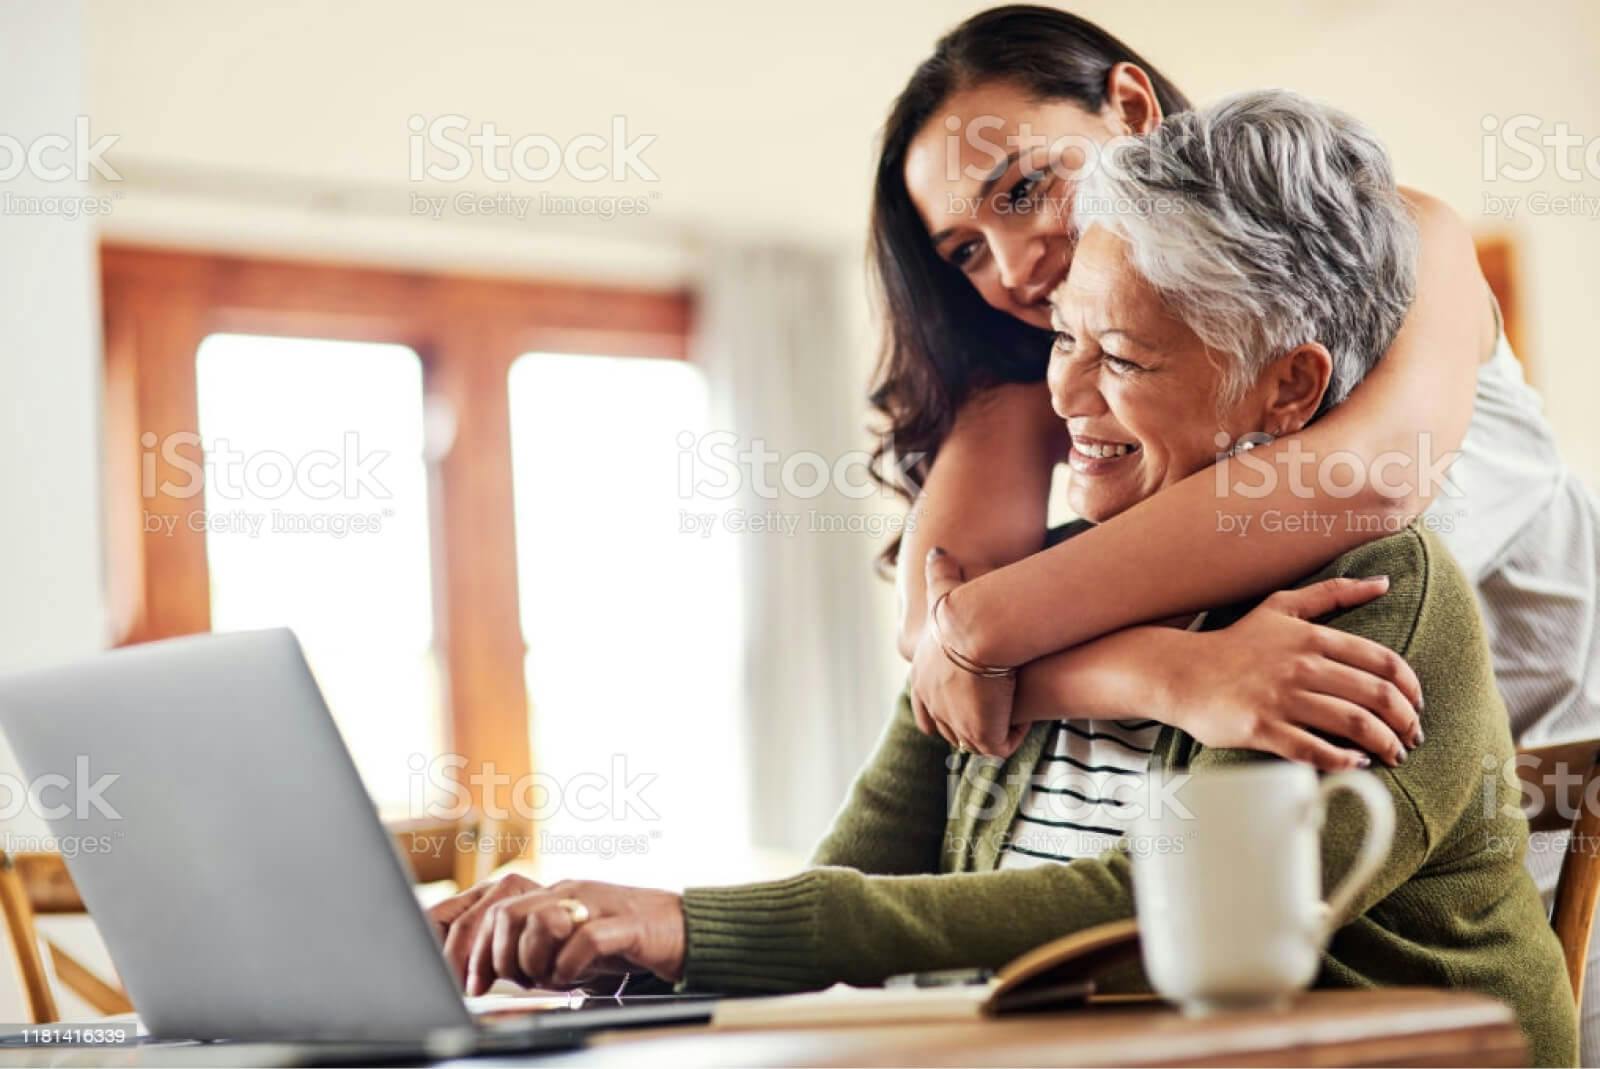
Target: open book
1060,973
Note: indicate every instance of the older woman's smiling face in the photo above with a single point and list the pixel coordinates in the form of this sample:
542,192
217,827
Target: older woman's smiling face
1136,387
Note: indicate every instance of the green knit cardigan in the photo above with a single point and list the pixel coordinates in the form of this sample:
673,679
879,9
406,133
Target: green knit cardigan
905,880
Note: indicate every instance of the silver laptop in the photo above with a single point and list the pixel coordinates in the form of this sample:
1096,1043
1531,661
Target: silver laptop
234,864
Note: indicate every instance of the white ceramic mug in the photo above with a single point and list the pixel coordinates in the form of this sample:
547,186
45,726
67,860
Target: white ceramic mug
1227,877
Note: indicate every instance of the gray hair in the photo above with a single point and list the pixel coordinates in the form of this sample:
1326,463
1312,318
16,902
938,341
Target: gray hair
1265,222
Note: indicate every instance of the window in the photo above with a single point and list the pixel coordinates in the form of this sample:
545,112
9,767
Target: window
412,627
632,625
317,519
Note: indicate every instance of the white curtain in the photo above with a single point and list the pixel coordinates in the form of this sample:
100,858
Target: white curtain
787,370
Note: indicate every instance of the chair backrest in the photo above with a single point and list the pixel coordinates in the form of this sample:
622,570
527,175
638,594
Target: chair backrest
36,884
1556,797
462,852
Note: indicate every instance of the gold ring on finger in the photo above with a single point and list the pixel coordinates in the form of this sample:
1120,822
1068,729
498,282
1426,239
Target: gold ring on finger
576,910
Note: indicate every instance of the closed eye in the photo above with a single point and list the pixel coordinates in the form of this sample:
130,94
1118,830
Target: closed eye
1063,342
1119,366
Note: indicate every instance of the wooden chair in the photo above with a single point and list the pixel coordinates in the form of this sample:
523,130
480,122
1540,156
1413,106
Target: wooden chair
30,885
440,851
1556,781
38,884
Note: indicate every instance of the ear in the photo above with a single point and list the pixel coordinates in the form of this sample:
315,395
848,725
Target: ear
1131,103
1293,387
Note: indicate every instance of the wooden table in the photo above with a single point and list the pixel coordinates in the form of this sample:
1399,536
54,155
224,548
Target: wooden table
1390,1027
1323,1028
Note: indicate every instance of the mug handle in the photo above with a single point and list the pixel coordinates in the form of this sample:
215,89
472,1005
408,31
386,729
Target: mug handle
1374,849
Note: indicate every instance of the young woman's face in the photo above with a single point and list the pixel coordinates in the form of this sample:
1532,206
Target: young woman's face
991,175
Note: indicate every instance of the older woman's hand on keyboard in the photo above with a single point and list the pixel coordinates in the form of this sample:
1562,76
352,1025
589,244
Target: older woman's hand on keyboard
566,935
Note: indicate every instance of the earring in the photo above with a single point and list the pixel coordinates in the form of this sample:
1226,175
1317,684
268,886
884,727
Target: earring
1251,441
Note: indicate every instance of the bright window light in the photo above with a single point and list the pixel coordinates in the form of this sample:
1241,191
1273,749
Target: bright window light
633,630
317,509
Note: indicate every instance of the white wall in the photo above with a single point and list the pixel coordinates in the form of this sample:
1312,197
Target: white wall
50,566
50,555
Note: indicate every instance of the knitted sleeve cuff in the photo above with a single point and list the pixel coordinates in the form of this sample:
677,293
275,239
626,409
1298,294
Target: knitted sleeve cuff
755,937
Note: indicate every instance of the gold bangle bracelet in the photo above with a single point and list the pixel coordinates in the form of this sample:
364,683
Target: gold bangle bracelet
955,656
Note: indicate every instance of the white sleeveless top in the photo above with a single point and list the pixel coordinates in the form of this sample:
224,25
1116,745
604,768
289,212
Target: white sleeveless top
1527,533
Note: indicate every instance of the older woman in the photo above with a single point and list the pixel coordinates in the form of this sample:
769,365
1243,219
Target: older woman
1240,270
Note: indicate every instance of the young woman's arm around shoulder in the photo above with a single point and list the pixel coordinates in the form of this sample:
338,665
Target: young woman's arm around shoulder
1182,550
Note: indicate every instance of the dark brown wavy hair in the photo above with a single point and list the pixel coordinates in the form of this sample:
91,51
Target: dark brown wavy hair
941,339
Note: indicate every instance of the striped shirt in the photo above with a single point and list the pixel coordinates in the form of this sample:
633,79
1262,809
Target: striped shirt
1080,799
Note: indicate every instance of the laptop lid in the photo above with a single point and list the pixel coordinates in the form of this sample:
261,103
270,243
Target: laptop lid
234,865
